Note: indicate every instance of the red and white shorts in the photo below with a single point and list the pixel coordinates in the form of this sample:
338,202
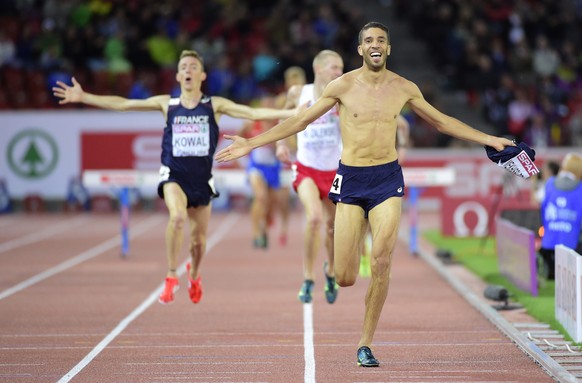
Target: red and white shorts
322,178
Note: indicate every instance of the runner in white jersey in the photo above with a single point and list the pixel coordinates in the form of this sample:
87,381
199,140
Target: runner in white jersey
319,146
318,154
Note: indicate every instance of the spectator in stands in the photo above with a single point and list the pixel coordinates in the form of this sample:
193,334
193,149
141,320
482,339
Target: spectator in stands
530,42
521,63
115,54
545,58
162,49
7,49
574,120
561,211
215,29
244,88
143,86
537,131
325,25
496,102
189,141
264,63
520,111
220,77
93,44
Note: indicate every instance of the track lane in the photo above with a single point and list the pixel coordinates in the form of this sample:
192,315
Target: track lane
249,326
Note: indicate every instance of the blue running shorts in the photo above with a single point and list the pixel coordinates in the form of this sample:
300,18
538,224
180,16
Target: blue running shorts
198,192
367,186
270,173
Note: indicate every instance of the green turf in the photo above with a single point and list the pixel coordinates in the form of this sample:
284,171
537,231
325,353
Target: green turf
480,257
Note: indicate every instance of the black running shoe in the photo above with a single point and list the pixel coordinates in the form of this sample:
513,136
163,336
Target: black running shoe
330,286
365,357
305,292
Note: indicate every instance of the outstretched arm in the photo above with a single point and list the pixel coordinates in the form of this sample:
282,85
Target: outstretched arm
289,127
75,93
449,125
225,106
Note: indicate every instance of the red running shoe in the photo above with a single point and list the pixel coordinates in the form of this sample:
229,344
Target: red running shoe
194,287
167,295
283,239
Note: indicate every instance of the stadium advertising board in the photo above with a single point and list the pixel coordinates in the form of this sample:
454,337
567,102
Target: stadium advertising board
568,291
517,255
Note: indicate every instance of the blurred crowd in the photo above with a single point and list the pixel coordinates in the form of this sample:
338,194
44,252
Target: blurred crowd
520,61
131,47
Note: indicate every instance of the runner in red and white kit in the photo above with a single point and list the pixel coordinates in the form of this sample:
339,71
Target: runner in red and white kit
318,154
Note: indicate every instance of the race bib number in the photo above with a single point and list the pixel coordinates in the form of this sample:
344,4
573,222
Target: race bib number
336,186
190,140
164,173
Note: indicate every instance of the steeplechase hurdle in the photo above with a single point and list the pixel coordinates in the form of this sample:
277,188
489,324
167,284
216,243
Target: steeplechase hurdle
417,179
125,180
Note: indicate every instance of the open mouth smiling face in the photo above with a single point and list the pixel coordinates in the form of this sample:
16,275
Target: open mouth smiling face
376,56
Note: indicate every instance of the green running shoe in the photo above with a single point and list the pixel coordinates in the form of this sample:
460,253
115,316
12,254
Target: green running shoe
305,292
261,242
331,288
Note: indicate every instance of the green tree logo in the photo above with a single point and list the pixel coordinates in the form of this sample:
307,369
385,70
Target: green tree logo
32,153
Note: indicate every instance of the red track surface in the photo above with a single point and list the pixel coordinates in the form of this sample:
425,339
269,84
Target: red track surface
72,310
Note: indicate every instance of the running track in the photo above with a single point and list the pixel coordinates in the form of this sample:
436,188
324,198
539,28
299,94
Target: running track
72,310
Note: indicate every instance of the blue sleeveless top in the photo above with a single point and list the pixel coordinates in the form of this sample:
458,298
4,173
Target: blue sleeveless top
561,216
190,139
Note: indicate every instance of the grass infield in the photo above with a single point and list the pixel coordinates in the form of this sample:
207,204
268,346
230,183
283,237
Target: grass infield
480,257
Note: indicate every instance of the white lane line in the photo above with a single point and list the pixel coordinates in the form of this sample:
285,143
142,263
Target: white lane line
39,236
84,256
309,354
151,299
